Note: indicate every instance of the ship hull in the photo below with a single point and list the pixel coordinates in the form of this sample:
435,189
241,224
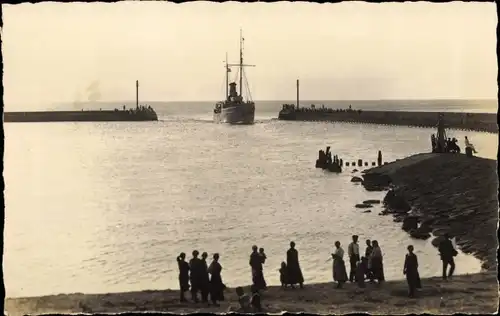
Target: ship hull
241,114
78,116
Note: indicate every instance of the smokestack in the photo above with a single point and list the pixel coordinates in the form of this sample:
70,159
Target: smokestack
137,93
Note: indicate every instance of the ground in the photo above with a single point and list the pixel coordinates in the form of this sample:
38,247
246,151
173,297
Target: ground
475,293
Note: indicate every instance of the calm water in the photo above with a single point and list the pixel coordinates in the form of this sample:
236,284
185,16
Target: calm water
105,207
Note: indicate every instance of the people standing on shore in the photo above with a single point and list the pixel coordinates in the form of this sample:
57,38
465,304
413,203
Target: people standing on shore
368,253
256,265
293,267
204,278
410,270
353,253
195,275
376,263
283,275
216,285
447,252
339,271
263,258
183,275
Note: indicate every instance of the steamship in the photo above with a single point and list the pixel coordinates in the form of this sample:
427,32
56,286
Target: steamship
235,109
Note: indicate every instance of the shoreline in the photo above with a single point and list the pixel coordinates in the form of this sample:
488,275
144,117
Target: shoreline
470,293
460,200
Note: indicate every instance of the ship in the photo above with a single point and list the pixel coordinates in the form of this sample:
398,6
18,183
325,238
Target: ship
235,109
139,113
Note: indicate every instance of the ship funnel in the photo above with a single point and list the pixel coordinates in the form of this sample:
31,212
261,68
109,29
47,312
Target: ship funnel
232,90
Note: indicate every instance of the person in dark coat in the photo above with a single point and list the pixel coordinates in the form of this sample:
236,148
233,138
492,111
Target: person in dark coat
216,285
293,267
447,252
263,258
376,263
183,275
339,271
368,252
256,261
204,278
411,271
195,266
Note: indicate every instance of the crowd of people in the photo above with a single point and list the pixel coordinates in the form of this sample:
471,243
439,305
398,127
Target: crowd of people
313,108
138,109
198,277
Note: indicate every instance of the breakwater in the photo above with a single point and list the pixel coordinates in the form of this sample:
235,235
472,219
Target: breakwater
449,193
80,116
482,122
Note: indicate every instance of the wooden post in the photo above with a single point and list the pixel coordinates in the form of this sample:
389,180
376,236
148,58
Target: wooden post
137,93
297,93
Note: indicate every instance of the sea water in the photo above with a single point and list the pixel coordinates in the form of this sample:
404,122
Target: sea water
107,207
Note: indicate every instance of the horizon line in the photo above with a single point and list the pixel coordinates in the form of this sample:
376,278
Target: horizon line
279,100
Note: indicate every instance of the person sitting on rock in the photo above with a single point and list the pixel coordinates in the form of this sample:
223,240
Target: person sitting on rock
255,301
447,252
243,299
469,145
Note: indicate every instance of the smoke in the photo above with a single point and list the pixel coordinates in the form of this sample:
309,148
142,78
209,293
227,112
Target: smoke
93,92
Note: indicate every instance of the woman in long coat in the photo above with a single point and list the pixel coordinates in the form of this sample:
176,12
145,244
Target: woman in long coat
411,271
216,285
376,262
183,275
293,267
339,271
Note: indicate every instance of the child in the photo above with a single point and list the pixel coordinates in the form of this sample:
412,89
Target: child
360,275
367,271
262,255
283,275
255,302
243,299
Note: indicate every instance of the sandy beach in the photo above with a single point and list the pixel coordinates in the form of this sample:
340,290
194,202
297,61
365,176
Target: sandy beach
475,293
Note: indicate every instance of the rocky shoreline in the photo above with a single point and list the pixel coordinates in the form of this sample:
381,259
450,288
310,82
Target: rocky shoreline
443,193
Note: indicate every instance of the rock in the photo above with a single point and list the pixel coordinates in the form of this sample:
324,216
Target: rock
371,202
410,223
367,211
425,227
436,241
375,180
357,179
362,206
419,235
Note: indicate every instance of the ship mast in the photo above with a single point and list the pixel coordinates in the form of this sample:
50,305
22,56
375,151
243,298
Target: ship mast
241,63
227,79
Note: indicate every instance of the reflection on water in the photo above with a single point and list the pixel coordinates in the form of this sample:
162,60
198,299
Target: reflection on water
103,207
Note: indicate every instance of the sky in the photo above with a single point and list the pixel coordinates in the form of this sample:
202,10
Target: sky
342,51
